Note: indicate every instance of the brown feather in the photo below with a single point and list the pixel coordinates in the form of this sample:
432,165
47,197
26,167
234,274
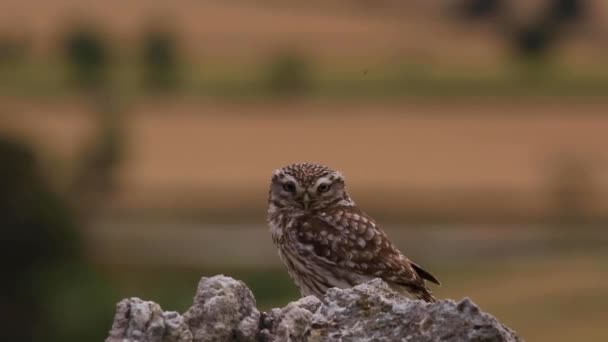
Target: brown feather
326,241
425,274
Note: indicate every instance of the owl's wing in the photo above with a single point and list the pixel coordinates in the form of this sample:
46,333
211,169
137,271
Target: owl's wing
350,239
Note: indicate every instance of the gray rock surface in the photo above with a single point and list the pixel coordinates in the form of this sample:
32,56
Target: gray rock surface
141,321
224,310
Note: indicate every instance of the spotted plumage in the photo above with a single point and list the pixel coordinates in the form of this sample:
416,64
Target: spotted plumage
326,241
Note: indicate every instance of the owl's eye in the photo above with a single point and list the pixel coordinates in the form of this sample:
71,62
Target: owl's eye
289,187
323,187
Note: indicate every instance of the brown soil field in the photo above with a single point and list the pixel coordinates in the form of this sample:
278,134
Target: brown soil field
217,153
248,31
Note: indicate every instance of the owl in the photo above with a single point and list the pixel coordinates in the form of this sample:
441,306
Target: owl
325,240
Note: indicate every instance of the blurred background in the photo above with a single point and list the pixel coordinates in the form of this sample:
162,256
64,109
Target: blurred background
137,141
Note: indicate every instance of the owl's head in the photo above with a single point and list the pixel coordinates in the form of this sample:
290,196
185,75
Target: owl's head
307,186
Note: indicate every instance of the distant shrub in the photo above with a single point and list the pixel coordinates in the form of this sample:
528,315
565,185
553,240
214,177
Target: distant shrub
480,8
289,73
160,59
533,41
101,155
567,10
87,55
530,40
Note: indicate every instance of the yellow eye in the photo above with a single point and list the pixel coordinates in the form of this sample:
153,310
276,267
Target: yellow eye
323,187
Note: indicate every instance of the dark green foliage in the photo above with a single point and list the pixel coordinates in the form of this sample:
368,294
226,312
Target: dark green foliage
481,8
534,40
41,255
289,74
160,59
565,10
530,39
87,55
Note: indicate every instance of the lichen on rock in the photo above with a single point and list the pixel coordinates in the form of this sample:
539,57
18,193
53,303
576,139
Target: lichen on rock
224,310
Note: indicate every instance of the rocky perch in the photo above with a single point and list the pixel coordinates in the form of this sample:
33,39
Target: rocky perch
224,310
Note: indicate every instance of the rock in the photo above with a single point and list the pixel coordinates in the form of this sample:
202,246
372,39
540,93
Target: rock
142,321
224,310
292,322
373,312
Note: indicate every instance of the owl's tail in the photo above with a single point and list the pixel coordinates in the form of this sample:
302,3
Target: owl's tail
422,293
425,295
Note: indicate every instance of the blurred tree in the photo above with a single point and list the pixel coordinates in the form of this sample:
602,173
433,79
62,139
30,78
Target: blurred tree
101,156
87,55
41,254
534,39
289,74
480,8
160,59
531,39
567,10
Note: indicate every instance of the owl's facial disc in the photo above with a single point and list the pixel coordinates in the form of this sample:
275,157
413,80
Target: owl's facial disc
307,186
316,193
327,189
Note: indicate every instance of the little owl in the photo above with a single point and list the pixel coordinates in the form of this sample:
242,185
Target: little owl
326,241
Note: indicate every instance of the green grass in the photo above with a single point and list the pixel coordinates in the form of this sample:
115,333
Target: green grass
50,79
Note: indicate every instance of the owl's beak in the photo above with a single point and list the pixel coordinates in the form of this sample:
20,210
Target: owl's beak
306,201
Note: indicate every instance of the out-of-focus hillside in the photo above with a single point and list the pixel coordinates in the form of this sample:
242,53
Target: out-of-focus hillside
336,32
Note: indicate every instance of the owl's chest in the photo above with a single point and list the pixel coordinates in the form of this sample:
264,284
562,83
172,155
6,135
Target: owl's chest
286,227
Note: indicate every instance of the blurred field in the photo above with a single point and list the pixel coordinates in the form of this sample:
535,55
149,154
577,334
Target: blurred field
487,159
137,140
191,162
